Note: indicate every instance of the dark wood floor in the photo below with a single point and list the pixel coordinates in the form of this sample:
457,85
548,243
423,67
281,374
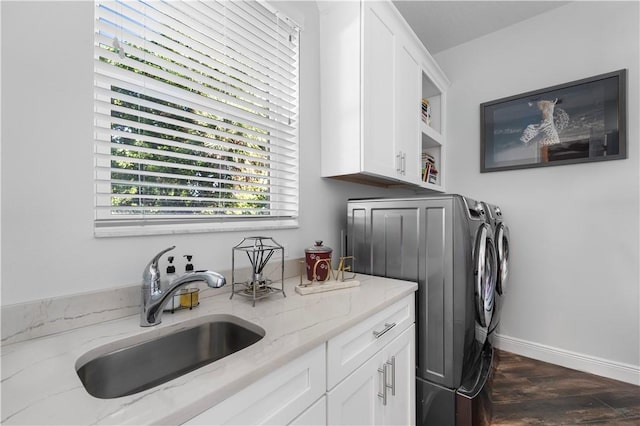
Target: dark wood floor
530,392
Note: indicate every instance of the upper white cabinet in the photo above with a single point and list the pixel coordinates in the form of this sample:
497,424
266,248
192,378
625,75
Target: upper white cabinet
374,75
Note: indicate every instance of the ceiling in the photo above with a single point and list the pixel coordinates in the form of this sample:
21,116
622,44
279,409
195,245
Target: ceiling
441,25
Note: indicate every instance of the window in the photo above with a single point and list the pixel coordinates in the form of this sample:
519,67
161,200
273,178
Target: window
196,107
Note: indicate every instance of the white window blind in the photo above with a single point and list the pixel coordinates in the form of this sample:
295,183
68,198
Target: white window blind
196,107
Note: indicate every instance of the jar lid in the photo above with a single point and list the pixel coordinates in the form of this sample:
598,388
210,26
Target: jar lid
319,248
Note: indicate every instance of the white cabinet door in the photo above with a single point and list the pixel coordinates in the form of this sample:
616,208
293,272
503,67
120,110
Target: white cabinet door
340,97
392,77
375,394
277,398
408,75
355,401
379,154
401,399
316,415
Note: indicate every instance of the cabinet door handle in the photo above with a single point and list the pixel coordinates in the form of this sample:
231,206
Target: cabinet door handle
383,394
386,328
392,364
404,163
398,163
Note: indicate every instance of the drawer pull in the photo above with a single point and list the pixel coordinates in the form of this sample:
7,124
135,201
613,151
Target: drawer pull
386,328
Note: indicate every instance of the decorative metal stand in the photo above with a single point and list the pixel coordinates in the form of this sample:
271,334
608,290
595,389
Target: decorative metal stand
259,250
335,279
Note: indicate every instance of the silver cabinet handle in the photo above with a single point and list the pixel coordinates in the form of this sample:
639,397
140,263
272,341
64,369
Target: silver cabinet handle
398,163
404,163
392,364
386,328
385,374
383,394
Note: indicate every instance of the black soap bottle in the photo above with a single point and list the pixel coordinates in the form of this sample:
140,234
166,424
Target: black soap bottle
174,303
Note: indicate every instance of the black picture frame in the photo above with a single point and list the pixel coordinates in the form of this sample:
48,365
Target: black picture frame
577,122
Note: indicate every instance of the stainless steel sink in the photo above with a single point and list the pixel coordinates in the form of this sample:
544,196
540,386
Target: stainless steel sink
130,368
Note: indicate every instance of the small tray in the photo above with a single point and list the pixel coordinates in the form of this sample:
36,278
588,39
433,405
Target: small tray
322,286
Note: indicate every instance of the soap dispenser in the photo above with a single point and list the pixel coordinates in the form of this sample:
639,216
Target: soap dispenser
189,295
174,303
189,266
171,269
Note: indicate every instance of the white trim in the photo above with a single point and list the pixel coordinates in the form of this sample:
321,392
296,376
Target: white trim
602,367
194,228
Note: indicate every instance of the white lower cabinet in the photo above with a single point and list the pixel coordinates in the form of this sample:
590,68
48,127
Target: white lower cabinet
277,398
363,376
381,391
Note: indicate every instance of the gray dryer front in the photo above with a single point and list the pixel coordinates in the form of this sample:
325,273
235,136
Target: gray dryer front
495,219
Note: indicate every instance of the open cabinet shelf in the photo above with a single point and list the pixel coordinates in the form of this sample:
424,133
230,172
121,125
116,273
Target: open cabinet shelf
432,138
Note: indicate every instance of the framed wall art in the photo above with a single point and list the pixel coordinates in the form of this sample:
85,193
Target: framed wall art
576,122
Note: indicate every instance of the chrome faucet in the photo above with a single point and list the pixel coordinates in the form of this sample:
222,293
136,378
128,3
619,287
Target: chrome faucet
154,297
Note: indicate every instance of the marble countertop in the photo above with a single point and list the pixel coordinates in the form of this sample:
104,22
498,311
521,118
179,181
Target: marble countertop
40,384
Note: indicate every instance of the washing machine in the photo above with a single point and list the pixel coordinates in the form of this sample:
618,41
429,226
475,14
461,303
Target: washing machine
446,245
500,230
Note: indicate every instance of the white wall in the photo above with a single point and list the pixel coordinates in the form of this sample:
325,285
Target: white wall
48,247
574,285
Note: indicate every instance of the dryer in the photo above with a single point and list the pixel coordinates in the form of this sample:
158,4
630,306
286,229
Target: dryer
500,230
445,244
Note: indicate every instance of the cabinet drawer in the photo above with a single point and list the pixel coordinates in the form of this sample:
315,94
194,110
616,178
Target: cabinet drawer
352,348
277,398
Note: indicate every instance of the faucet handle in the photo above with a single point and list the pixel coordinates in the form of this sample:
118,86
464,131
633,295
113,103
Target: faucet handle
151,271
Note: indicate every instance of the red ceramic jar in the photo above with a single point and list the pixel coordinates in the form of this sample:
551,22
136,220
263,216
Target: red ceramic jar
318,257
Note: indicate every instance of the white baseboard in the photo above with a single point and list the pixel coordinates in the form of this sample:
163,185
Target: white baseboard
602,367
